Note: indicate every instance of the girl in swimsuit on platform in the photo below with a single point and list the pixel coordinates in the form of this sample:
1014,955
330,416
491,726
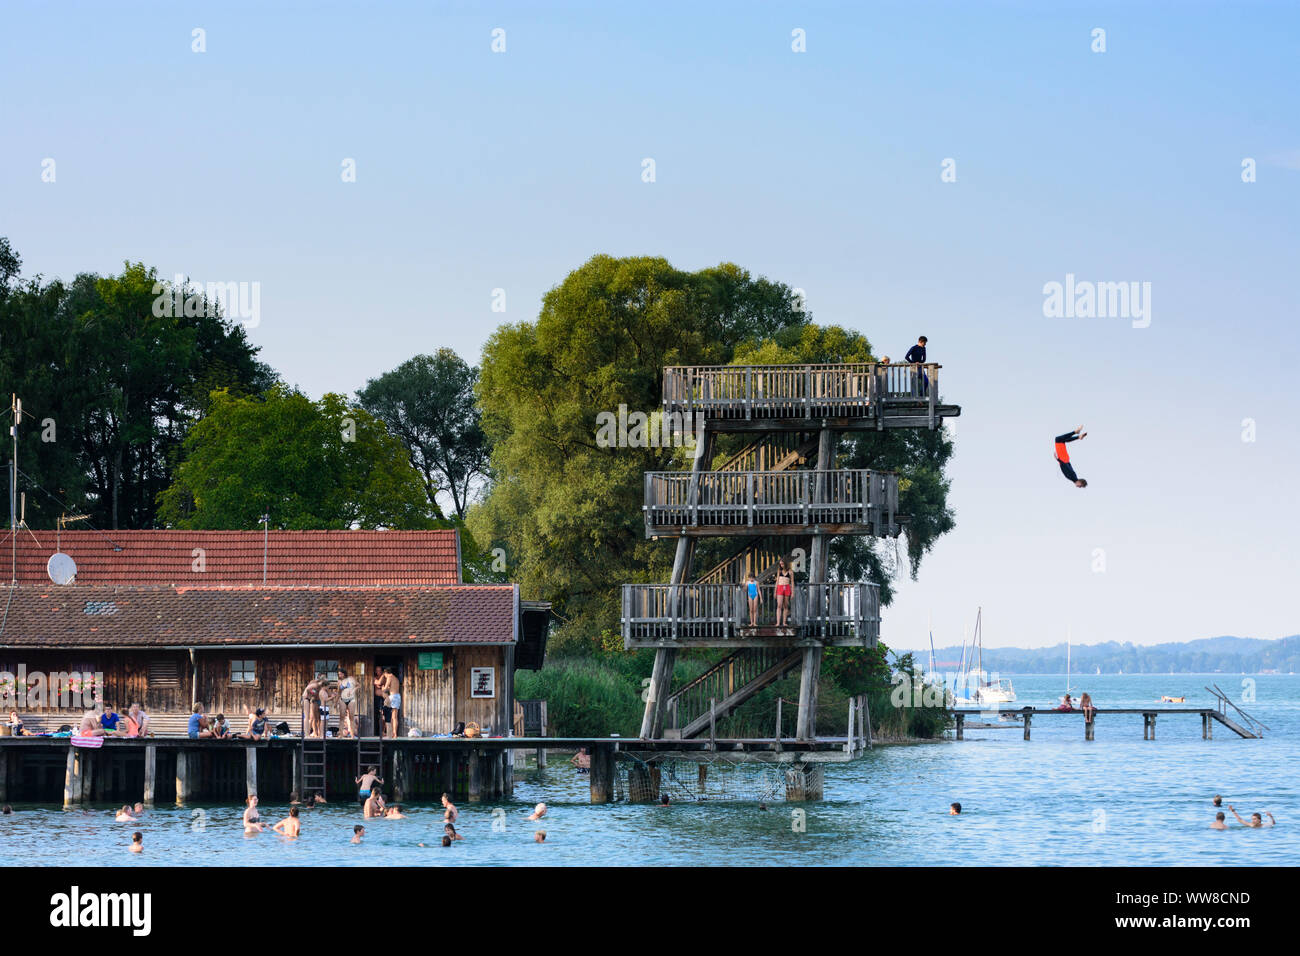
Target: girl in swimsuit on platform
784,590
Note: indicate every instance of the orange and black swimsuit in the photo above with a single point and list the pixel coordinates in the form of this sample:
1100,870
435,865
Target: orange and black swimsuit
1063,456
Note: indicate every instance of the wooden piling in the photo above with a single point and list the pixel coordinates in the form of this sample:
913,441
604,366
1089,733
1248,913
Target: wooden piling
1153,726
475,777
71,781
87,777
1029,718
182,777
961,726
448,762
250,771
150,773
777,735
1089,730
102,775
4,776
602,773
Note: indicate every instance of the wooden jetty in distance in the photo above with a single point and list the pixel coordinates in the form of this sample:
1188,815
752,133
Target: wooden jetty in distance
1208,716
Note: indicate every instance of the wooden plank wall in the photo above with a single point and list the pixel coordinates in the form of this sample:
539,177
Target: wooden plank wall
433,700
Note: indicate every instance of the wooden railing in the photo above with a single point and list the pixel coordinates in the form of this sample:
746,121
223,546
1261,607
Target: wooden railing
729,678
861,390
717,614
748,499
772,452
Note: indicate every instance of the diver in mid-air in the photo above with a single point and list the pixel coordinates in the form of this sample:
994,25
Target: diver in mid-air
1063,456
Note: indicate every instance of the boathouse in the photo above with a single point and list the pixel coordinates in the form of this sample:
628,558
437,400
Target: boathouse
234,621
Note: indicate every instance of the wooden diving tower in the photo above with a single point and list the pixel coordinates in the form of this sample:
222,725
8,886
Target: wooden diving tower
781,495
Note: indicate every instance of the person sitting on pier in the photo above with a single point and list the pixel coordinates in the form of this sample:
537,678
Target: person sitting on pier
252,819
784,591
290,826
1255,819
366,782
109,721
450,813
90,725
751,592
16,724
1063,455
137,721
1085,705
198,726
257,724
1067,704
220,728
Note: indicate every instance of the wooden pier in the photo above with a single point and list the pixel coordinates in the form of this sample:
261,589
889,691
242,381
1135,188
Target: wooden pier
183,772
1026,715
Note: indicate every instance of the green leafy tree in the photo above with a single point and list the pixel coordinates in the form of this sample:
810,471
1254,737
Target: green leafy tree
566,511
307,464
428,402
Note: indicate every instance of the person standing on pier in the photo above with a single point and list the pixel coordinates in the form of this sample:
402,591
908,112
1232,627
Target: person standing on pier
311,706
916,356
392,700
348,705
1063,455
379,701
751,592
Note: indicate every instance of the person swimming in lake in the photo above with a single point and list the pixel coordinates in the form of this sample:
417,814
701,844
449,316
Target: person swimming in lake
124,815
358,832
1255,820
137,842
374,805
581,760
290,826
449,832
539,811
1219,823
450,813
394,813
954,809
252,819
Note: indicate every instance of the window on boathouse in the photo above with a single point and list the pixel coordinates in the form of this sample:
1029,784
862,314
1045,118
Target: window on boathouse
330,669
164,674
243,672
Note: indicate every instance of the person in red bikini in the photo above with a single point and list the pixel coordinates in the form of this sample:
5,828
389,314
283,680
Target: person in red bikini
784,590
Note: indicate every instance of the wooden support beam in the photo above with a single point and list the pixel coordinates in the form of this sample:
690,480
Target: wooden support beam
87,777
4,776
150,774
102,775
475,777
808,673
602,773
961,726
72,779
1089,730
1029,719
183,777
297,771
1153,726
508,789
447,761
250,771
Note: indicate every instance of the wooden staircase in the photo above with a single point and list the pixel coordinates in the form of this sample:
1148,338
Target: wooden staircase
728,684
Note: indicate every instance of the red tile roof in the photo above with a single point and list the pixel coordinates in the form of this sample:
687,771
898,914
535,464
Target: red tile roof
327,558
70,616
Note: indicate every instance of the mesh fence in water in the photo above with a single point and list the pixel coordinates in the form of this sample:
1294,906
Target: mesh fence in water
714,777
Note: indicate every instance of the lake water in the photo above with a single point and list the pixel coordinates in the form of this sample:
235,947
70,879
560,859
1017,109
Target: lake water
1055,800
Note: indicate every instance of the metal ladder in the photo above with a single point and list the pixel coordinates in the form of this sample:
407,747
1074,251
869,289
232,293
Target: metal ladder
370,753
313,765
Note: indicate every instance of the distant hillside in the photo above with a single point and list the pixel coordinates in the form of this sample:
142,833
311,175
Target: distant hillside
1230,655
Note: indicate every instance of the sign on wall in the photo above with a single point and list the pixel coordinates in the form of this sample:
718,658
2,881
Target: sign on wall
482,682
430,660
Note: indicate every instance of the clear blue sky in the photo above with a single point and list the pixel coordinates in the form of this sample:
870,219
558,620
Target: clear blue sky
821,169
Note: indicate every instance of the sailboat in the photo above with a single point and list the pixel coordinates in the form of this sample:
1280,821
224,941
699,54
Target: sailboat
985,691
1068,641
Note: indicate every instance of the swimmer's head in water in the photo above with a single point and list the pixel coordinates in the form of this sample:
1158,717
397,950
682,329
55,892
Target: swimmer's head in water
1218,800
1256,818
1219,816
954,809
137,837
446,841
540,836
358,829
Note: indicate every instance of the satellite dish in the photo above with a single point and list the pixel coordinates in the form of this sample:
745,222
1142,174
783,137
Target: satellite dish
61,568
